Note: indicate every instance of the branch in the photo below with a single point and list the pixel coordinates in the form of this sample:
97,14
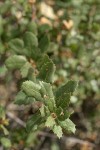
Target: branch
16,119
69,140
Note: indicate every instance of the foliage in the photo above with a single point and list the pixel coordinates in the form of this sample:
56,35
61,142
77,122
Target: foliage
39,88
50,45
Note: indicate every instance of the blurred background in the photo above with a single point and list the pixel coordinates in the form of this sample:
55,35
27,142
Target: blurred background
73,27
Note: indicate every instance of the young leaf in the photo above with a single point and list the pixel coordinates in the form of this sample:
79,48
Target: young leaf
63,100
44,28
42,110
67,125
29,100
50,122
31,46
32,90
62,114
17,45
48,96
47,69
33,121
48,90
35,53
25,69
32,27
22,99
43,59
15,62
30,40
44,43
69,87
53,47
58,131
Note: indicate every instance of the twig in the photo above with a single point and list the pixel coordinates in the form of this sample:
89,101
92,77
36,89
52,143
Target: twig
73,140
47,134
13,107
19,121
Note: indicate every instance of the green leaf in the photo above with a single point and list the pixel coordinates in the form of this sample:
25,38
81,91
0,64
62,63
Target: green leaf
48,96
58,131
43,59
5,142
53,47
31,75
33,122
42,110
45,28
63,94
25,69
29,100
35,53
48,90
22,99
67,125
15,62
63,100
32,27
62,114
32,90
30,40
50,122
17,45
47,69
69,87
44,43
31,43
62,4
